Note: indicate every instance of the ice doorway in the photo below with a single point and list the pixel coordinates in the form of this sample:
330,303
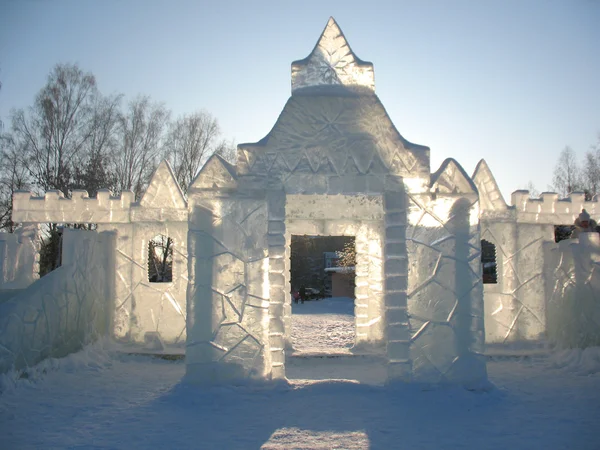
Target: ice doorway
321,266
322,335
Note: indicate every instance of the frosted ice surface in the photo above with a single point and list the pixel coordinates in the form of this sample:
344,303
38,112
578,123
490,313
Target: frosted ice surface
573,270
19,260
332,63
64,310
163,190
516,305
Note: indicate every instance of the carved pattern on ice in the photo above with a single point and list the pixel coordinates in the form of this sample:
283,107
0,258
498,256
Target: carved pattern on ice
331,135
450,178
444,288
490,196
216,173
163,190
332,62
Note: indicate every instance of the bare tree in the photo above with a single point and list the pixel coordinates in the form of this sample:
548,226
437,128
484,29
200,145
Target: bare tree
190,141
1,123
92,171
591,170
567,176
13,177
141,130
160,259
228,150
59,140
533,192
53,132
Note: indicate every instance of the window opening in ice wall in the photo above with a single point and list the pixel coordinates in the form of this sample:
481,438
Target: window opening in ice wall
488,262
160,259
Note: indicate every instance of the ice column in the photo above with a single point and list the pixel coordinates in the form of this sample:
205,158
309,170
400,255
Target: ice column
277,284
396,281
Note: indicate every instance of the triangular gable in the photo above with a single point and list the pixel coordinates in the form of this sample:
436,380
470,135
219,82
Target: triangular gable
216,174
490,197
452,179
360,128
332,62
164,190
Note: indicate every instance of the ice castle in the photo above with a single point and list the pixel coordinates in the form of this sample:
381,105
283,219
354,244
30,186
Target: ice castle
334,164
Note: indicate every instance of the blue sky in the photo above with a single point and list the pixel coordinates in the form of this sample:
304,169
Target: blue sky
511,81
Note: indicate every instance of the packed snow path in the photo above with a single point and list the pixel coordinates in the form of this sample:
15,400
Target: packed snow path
323,325
102,399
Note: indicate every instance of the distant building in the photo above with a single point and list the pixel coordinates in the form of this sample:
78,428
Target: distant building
342,281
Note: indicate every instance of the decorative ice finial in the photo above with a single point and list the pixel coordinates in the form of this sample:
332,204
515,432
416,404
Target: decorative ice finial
332,63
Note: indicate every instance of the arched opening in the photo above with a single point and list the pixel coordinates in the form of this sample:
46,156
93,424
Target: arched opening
488,262
160,259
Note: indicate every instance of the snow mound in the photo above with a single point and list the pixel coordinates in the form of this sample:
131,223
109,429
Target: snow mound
579,361
94,357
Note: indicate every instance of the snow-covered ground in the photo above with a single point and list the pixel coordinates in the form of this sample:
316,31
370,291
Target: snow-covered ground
100,398
323,325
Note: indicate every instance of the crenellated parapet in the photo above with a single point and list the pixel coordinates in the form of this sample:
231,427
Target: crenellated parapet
163,201
550,209
516,302
53,207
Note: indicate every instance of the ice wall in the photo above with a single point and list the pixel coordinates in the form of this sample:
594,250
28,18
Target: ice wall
64,310
573,278
229,279
141,306
19,258
515,306
444,292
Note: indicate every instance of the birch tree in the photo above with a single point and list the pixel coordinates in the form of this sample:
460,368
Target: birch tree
52,133
591,170
567,177
13,177
92,171
140,133
190,141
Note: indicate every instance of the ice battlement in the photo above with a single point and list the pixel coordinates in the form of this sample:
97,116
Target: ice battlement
80,208
163,201
549,208
53,207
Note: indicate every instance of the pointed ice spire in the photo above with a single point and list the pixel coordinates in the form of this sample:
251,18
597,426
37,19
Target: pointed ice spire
490,197
451,178
215,174
163,190
332,63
